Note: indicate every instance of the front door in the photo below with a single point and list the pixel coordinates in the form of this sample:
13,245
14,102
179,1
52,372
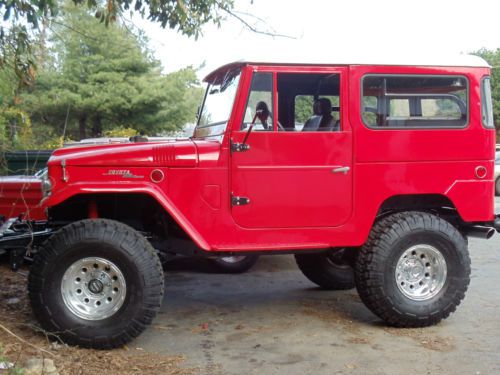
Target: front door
297,170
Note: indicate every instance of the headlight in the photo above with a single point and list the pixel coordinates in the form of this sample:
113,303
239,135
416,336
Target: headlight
43,175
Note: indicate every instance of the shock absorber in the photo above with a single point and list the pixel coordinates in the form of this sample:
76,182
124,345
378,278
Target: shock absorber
93,213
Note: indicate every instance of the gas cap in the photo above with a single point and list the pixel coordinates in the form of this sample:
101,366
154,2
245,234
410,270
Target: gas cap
481,171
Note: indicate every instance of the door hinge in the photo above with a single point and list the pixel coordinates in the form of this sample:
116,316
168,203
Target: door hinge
239,201
239,147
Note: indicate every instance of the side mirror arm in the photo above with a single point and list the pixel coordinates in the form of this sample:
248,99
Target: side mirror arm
239,147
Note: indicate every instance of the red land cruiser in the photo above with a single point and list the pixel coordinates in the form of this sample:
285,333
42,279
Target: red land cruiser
373,175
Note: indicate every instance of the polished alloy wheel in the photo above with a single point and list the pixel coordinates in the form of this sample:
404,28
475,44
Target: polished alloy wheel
93,288
421,272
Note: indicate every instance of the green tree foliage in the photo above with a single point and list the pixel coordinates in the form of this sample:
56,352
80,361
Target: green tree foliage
22,18
186,16
303,108
15,125
493,58
103,79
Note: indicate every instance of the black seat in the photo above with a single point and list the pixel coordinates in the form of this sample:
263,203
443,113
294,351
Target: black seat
322,119
312,123
327,121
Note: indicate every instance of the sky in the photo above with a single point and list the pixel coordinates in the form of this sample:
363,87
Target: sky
342,28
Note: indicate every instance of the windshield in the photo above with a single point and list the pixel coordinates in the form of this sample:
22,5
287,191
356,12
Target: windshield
217,106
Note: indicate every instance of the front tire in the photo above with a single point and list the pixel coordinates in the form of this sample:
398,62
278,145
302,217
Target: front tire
414,269
96,283
331,270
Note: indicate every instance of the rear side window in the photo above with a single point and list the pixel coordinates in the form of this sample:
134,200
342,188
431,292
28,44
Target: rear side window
487,103
390,101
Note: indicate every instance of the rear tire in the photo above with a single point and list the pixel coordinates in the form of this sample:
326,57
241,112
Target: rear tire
330,270
96,283
234,264
414,269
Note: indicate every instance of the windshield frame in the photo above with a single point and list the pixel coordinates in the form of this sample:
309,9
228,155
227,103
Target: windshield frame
234,76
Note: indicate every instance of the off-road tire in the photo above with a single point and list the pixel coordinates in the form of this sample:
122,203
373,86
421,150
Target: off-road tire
323,271
220,265
375,269
103,239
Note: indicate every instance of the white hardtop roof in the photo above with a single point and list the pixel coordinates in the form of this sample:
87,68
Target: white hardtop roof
390,60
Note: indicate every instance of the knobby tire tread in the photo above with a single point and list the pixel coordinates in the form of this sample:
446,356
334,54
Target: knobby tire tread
122,236
373,255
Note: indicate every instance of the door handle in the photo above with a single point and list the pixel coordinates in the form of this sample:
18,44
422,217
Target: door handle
343,170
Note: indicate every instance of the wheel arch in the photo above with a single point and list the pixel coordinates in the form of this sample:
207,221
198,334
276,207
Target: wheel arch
437,203
121,206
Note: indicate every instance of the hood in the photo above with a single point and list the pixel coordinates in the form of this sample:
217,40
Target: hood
181,153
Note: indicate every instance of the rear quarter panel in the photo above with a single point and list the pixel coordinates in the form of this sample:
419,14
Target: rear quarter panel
424,161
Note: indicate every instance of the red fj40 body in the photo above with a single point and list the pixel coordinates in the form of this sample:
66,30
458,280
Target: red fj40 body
381,169
296,201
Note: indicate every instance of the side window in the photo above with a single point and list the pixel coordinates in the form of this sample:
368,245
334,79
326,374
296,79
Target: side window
370,105
444,108
487,103
399,108
259,107
415,101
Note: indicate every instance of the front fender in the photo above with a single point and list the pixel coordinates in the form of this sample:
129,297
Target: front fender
150,189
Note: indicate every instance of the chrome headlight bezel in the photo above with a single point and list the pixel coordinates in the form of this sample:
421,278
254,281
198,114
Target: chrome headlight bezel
46,184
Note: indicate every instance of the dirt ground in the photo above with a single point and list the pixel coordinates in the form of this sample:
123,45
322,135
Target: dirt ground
272,320
21,339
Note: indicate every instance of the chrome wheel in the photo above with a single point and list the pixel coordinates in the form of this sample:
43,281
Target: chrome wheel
93,288
233,259
421,272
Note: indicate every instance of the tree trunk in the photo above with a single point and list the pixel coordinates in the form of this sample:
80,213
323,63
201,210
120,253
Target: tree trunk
97,127
42,59
82,125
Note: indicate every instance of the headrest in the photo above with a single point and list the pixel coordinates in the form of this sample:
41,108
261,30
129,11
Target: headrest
325,106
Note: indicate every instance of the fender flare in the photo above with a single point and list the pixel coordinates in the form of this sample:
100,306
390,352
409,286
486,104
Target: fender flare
153,191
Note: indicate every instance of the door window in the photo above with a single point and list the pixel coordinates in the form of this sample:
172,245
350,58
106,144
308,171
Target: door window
309,102
259,108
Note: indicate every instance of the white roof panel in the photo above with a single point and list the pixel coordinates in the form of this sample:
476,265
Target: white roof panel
386,59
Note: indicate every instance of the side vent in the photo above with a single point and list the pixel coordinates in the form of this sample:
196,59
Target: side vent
164,155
